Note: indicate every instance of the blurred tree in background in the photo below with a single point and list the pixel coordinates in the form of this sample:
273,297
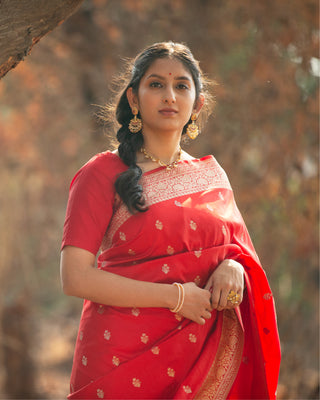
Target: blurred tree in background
264,55
24,22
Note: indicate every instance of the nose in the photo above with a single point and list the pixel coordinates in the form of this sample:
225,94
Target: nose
169,96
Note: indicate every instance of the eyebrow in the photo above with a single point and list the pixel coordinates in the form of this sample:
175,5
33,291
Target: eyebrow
178,78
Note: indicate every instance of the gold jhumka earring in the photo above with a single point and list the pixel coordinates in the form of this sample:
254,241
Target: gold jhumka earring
192,129
135,124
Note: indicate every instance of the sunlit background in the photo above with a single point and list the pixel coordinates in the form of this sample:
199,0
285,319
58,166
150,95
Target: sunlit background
264,56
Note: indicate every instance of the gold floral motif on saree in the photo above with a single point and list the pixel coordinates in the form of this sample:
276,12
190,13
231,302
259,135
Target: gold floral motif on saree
100,393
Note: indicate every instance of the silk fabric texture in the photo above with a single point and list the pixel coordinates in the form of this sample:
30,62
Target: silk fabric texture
192,225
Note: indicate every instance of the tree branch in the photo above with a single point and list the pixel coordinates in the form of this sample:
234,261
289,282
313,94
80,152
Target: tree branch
24,22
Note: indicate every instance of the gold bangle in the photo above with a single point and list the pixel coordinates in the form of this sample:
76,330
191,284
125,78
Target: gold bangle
180,298
178,285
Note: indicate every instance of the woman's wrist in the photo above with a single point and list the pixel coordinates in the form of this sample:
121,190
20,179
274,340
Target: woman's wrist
171,296
180,302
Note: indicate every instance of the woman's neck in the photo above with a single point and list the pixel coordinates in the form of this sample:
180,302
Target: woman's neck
165,149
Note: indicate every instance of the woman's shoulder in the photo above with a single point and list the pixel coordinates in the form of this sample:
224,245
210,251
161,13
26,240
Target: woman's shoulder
107,162
102,166
188,157
104,158
208,160
208,165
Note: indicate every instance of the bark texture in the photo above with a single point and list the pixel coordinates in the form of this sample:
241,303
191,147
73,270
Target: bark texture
24,22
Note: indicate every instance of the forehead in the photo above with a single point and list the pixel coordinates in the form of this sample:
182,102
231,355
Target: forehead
168,67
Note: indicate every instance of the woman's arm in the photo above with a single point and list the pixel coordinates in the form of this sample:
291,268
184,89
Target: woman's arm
80,278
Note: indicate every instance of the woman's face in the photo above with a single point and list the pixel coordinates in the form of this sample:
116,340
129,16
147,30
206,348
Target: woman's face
166,97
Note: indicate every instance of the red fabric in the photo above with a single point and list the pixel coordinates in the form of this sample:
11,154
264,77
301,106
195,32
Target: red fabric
191,226
91,201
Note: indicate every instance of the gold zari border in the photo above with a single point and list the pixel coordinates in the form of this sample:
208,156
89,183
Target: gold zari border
226,364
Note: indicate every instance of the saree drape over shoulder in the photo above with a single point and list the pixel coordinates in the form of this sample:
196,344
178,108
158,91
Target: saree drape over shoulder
192,225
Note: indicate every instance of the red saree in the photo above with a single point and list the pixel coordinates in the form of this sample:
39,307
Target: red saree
191,226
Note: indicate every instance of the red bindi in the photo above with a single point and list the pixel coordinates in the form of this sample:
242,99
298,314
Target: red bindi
169,73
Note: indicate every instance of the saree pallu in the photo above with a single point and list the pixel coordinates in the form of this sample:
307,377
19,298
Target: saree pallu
192,225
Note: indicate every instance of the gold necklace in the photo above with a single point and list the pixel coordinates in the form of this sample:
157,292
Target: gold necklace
170,166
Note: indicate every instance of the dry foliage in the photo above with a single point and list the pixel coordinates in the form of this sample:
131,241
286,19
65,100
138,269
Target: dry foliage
264,132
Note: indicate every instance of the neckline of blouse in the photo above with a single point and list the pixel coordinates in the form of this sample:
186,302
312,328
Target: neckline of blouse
160,168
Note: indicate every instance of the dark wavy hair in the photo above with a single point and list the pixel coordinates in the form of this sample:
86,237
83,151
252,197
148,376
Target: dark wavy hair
127,184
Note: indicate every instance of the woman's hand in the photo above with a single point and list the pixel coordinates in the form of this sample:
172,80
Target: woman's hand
196,306
81,279
229,275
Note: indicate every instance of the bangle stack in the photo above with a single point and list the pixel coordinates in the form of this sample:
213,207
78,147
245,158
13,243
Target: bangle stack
180,298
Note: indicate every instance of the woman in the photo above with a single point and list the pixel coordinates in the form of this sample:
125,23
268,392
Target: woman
179,307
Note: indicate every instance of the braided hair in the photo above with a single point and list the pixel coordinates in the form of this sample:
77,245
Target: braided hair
127,184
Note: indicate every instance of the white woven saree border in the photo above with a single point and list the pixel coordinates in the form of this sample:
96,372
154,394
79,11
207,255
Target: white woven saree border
162,185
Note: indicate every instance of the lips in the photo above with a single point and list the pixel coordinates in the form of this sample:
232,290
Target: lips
168,112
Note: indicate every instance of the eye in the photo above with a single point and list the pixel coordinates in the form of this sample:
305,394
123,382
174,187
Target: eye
182,86
155,84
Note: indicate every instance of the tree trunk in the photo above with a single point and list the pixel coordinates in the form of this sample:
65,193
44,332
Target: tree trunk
17,336
24,22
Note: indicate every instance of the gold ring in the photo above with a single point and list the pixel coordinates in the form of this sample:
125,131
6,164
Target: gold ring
233,297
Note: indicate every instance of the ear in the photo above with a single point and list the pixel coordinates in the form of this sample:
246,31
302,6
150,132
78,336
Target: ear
199,104
132,98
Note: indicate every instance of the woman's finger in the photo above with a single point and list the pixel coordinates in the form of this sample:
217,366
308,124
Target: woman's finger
224,299
215,299
206,314
208,286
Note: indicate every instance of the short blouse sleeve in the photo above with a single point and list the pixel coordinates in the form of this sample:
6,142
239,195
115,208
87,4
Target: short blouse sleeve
89,208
